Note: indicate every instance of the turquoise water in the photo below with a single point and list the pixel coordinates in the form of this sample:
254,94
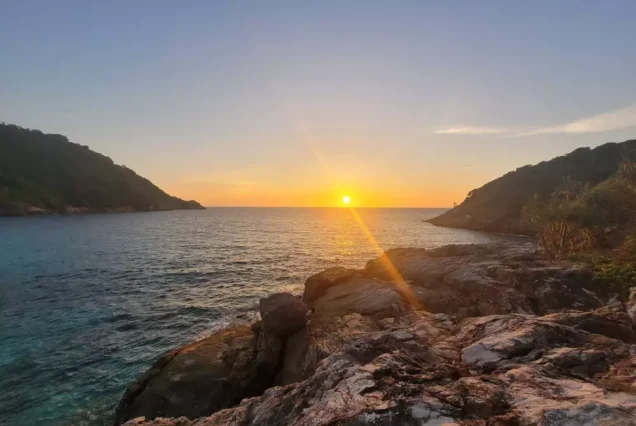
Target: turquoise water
88,302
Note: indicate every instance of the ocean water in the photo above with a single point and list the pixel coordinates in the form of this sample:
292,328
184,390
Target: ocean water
89,302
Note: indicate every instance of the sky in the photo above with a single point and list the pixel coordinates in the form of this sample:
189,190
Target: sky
271,103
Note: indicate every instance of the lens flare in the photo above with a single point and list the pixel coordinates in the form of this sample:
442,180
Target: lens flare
311,142
401,285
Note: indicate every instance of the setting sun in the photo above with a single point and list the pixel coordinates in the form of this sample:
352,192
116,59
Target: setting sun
346,199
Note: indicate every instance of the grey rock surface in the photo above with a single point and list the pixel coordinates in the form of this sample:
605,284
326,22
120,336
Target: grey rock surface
491,347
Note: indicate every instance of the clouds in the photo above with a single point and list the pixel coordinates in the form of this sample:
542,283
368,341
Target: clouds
612,120
607,121
470,130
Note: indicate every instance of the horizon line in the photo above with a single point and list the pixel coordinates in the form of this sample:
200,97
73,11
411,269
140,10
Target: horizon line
322,207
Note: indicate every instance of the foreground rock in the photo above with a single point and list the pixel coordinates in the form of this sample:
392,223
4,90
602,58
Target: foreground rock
283,314
205,376
494,370
508,355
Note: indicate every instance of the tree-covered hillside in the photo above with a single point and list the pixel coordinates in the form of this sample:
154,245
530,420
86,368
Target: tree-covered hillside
45,173
498,205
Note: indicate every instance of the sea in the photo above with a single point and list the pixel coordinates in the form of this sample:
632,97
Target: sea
88,302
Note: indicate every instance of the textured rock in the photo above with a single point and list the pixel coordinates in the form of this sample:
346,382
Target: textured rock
316,285
538,371
283,314
476,280
348,310
511,341
631,304
205,376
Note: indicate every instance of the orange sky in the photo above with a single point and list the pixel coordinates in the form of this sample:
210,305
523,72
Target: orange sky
253,194
411,104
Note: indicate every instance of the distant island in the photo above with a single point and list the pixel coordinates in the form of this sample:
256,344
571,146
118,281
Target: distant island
47,174
498,205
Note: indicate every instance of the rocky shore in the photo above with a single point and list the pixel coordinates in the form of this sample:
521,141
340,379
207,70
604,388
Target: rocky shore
26,209
472,335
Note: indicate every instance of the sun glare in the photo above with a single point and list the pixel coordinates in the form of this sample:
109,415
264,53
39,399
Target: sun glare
346,199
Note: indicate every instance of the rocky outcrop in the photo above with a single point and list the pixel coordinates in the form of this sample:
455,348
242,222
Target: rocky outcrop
495,370
317,285
486,279
283,314
205,376
370,357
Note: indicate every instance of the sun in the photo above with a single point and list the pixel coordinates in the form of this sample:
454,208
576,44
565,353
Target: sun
346,199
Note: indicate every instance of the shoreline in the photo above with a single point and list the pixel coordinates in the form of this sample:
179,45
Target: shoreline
84,212
325,358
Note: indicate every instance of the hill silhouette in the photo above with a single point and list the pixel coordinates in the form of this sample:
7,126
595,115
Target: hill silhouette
498,205
46,173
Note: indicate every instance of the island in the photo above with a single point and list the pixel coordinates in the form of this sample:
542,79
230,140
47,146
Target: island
47,174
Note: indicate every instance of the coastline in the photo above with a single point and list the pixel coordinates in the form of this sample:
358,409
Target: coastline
76,211
356,350
515,228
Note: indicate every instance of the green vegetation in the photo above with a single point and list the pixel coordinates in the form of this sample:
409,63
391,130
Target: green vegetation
618,274
45,173
498,205
580,217
596,224
581,205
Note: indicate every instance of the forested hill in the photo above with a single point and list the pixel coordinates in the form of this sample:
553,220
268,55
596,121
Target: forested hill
497,206
45,173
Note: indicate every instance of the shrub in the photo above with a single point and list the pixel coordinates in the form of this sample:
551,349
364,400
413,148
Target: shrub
576,217
619,276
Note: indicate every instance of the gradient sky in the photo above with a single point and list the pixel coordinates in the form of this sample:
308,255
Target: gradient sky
295,103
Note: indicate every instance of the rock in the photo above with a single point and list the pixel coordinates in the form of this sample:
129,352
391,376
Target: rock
611,321
283,314
460,250
364,296
511,341
631,304
205,376
348,310
302,353
316,285
488,279
538,370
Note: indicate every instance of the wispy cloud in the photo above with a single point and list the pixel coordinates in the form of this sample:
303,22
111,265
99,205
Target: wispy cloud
470,130
612,120
604,122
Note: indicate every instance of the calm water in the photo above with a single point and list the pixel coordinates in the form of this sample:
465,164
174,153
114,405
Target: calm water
88,302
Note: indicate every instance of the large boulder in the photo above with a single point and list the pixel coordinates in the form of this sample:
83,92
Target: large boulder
317,285
283,314
205,376
354,307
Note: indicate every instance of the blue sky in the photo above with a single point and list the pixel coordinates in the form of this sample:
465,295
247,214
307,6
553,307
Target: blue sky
293,103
